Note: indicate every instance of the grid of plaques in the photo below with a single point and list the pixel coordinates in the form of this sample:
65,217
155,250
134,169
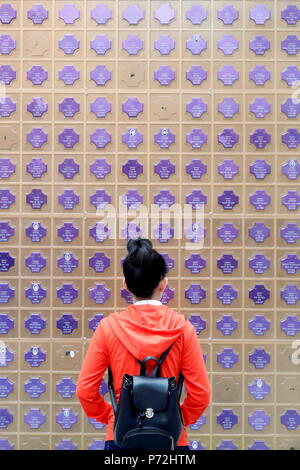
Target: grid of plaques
137,104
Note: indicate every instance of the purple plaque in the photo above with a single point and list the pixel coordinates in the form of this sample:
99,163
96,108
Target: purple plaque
196,199
226,445
6,387
259,14
164,75
99,232
67,263
101,44
290,294
7,107
36,232
198,323
259,232
96,424
68,168
101,14
226,294
228,75
66,418
291,138
291,263
196,44
163,232
67,293
99,293
164,169
167,295
195,293
132,199
132,138
37,137
34,387
290,325
69,107
196,107
259,75
228,107
290,233
6,445
37,14
100,199
68,199
199,423
133,44
69,44
260,108
228,199
7,13
291,45
259,263
100,75
260,138
67,324
164,44
228,14
164,138
101,138
66,387
6,231
227,325
100,168
133,14
227,419
132,168
6,261
291,14
164,14
164,199
97,444
259,420
196,14
99,262
7,356
35,356
291,108
259,389
259,358
6,198
196,75
228,232
6,324
196,138
36,294
132,107
36,198
170,261
7,74
228,138
36,168
227,264
195,263
69,75
196,445
259,325
259,294
260,200
35,324
34,418
260,45
290,419
66,444
7,168
228,169
67,232
35,262
227,358
260,169
68,138
126,295
228,44
291,75
37,75
7,44
196,169
195,232
6,418
69,14
291,200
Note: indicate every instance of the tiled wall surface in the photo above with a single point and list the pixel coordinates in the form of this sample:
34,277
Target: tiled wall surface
88,90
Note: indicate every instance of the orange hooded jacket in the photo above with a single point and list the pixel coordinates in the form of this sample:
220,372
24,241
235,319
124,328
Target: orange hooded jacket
142,330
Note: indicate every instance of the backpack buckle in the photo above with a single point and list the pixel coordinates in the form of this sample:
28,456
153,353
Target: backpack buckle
149,413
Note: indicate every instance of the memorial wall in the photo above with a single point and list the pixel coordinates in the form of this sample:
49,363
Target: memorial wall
115,105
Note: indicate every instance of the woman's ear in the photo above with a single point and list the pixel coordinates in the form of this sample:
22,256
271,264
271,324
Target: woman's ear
163,284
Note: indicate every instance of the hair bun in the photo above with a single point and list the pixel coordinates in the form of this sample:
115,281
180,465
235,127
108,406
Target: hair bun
135,244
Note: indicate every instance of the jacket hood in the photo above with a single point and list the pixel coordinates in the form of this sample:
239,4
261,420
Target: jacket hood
147,330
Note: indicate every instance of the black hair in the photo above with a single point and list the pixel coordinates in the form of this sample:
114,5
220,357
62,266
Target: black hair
143,267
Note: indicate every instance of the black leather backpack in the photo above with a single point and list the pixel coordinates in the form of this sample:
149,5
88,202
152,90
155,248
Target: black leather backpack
148,414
